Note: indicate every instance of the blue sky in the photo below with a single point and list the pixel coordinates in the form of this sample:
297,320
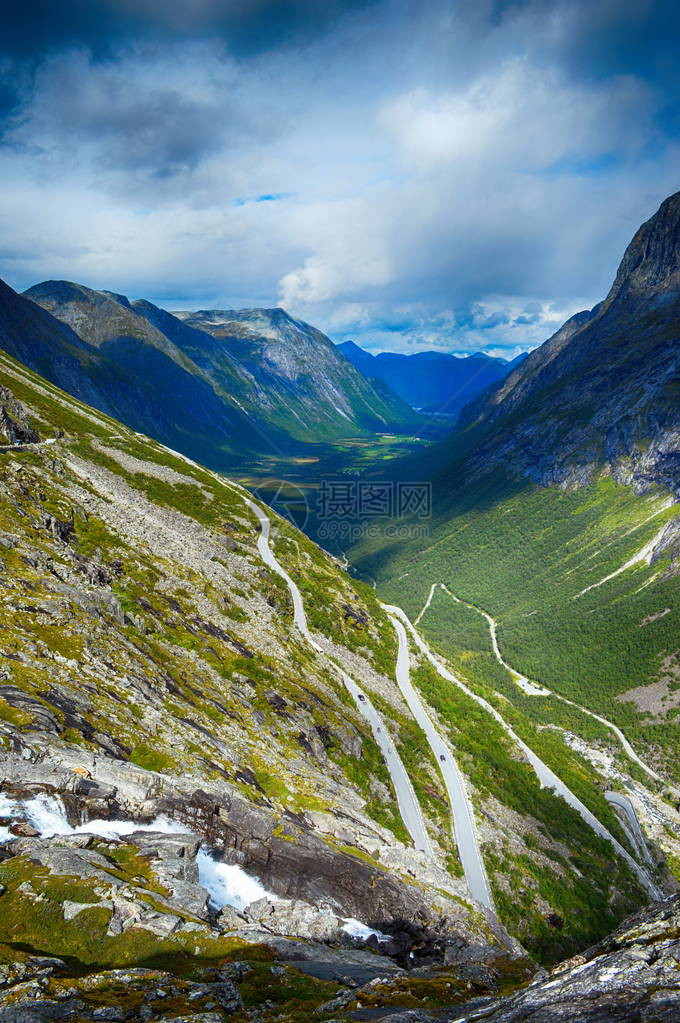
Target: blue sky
456,175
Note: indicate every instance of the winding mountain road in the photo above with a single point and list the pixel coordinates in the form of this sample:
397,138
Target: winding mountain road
461,807
533,689
545,775
407,801
630,822
409,807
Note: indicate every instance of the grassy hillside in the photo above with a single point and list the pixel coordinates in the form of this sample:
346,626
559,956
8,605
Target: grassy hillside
133,569
535,559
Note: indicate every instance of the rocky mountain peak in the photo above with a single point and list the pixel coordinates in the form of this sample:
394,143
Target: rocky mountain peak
63,291
602,391
121,299
651,264
95,316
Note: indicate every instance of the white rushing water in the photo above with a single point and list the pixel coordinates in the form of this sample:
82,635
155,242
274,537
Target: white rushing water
227,884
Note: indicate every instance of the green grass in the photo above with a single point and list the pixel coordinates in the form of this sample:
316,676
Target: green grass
489,759
524,554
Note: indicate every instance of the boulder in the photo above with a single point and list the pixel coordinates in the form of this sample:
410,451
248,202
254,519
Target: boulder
295,919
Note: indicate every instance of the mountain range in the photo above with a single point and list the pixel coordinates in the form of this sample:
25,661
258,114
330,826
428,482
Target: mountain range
433,382
268,384
209,757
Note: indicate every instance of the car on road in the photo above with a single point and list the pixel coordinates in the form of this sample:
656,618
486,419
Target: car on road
442,757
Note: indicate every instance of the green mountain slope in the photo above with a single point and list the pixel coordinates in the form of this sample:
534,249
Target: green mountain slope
555,512
142,632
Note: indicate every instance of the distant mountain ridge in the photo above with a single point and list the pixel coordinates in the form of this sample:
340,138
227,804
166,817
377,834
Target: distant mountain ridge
296,371
431,381
267,384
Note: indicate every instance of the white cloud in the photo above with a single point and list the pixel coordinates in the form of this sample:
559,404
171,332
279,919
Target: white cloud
518,116
443,183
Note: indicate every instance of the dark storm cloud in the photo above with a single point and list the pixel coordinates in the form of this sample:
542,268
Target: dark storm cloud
36,27
624,37
149,124
604,38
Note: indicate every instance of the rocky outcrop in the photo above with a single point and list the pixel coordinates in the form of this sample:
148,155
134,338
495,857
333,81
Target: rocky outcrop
283,852
294,919
15,427
142,995
631,976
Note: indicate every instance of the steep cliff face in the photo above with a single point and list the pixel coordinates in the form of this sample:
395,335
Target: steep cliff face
603,391
297,372
15,427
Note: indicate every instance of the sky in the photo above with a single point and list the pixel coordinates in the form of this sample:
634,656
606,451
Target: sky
459,175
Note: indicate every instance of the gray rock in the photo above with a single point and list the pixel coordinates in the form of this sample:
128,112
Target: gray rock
58,858
631,976
236,971
412,1016
162,924
72,909
197,1017
287,856
124,914
229,919
295,919
336,1004
228,996
39,1011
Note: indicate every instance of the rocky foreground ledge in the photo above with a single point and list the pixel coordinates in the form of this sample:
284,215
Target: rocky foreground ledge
123,921
124,928
168,959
